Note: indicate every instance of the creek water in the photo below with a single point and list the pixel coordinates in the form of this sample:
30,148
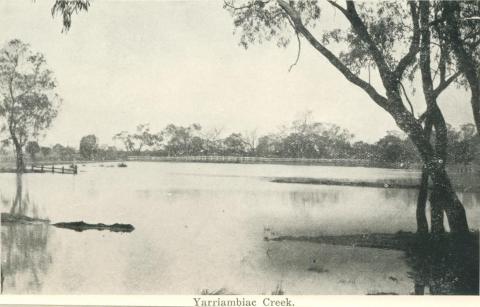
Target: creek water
200,228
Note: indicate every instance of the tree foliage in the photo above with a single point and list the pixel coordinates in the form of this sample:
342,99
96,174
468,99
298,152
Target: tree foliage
67,8
88,146
135,142
32,148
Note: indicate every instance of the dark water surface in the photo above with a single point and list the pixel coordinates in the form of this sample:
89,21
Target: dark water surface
200,227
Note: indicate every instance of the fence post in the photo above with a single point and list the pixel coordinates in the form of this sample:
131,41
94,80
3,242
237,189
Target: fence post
42,168
63,169
53,170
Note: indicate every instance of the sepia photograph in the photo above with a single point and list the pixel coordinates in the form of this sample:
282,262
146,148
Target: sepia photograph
222,149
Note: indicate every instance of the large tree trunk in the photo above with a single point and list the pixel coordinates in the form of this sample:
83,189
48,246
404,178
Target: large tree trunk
448,200
436,210
422,224
437,199
444,196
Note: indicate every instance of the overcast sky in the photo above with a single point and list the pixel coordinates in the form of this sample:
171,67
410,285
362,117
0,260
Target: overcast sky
125,63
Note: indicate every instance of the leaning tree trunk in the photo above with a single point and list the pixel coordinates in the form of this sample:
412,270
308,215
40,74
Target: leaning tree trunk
437,204
422,224
444,196
448,200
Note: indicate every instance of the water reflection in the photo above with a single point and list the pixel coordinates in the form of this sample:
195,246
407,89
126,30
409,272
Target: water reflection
25,255
470,200
314,198
445,266
409,196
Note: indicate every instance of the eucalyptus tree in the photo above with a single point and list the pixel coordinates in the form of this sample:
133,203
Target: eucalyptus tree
374,35
32,148
88,147
67,8
135,142
183,141
28,102
459,23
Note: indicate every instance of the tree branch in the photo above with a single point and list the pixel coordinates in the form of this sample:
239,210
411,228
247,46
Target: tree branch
299,44
247,6
408,99
298,52
445,83
349,75
409,58
362,31
335,4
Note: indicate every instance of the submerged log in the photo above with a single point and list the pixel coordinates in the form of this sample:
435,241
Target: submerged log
81,226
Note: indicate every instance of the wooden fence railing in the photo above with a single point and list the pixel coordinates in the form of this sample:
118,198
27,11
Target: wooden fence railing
73,170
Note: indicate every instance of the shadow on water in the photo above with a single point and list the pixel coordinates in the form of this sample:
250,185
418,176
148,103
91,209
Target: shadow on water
25,255
446,265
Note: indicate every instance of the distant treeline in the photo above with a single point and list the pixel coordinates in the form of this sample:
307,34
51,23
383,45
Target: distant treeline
302,139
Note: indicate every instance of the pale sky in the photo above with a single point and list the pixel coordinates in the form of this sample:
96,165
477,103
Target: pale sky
159,62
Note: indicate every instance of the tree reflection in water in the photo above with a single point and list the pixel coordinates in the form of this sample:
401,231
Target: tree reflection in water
447,264
25,256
